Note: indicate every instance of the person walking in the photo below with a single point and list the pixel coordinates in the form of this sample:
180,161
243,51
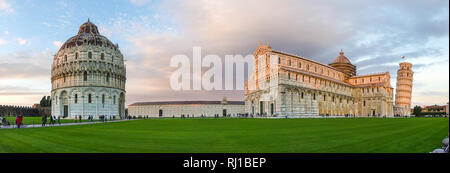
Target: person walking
79,118
44,120
4,120
19,121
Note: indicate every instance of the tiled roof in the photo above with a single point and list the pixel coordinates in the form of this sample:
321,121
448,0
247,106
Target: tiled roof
187,103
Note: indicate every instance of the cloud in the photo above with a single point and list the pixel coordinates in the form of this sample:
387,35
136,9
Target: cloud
5,7
373,34
25,64
57,44
21,41
139,2
3,42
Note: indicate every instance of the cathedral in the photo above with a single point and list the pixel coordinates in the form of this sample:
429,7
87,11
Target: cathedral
88,76
283,84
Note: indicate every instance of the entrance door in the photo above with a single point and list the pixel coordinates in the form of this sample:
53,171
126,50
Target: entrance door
271,109
261,107
66,110
224,112
160,113
373,113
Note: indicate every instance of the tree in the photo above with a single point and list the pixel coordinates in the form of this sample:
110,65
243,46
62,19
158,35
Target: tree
43,101
417,110
49,101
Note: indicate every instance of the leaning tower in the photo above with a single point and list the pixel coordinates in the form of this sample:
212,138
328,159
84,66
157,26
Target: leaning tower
403,90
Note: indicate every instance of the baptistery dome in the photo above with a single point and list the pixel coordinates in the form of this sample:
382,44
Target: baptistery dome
88,76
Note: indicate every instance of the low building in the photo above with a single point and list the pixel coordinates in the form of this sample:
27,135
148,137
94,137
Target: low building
186,108
433,108
446,109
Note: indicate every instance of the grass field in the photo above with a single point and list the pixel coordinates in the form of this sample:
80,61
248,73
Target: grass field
413,135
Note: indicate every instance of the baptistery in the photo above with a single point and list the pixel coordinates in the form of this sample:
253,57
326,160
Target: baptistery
88,76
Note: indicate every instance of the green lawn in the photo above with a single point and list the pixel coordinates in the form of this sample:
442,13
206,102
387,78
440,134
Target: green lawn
413,135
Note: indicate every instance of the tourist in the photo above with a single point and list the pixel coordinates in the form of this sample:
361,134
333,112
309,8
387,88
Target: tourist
44,120
59,120
4,120
19,121
80,118
51,120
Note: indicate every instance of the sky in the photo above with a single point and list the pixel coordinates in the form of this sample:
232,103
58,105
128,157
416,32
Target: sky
373,34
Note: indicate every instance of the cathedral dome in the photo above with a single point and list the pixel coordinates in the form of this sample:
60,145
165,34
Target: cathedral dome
344,65
341,59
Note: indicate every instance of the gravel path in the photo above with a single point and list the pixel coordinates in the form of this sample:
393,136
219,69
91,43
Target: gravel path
63,124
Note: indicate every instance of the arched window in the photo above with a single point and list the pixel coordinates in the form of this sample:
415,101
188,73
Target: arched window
114,100
89,98
289,75
107,77
85,76
299,64
64,79
90,55
324,97
103,98
76,98
76,55
364,103
307,67
289,62
65,58
112,58
302,95
279,60
102,56
314,96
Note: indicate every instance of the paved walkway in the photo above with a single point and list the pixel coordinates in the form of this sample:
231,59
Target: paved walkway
63,124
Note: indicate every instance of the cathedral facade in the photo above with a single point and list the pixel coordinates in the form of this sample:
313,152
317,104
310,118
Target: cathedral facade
88,76
284,84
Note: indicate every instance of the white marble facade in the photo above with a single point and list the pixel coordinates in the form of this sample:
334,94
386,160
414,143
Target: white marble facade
284,84
88,76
